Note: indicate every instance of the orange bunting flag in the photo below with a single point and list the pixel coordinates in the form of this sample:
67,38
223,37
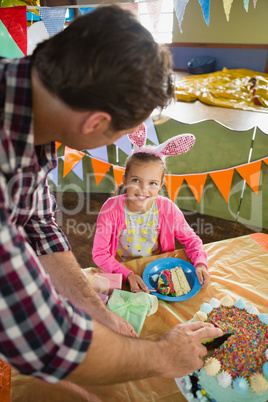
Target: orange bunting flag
58,144
265,161
100,169
71,158
196,183
251,174
173,185
223,180
118,173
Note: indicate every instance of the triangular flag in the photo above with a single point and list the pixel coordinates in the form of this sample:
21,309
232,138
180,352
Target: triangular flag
223,180
71,158
246,5
227,4
205,4
254,2
14,19
151,133
53,18
99,153
251,173
124,144
58,144
78,170
118,173
196,183
265,161
100,169
8,47
53,175
180,6
173,184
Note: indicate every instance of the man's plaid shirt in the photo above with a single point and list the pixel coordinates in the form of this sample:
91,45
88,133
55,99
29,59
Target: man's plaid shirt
41,333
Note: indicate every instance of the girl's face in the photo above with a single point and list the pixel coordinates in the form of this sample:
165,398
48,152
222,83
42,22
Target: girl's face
143,183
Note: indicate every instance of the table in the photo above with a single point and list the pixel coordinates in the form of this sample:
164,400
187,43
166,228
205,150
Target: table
238,266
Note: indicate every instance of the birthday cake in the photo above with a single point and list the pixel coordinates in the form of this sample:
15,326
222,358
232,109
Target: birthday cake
237,370
173,282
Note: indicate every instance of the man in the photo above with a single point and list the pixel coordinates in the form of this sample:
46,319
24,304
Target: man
85,87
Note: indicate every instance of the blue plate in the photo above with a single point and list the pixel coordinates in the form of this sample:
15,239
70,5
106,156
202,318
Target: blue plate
157,266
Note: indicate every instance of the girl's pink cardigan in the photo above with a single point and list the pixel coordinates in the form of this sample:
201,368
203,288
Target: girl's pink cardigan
111,221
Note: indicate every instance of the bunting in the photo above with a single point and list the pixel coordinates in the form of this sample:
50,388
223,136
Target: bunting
118,173
180,6
223,180
13,31
100,169
173,185
71,158
205,5
53,18
250,172
196,184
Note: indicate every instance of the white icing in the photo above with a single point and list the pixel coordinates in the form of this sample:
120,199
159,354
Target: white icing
224,379
253,310
214,302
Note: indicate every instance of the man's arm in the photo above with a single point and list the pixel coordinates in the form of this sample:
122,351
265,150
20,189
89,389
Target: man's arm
69,281
112,358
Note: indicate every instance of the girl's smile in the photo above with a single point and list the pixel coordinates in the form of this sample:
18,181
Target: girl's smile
143,183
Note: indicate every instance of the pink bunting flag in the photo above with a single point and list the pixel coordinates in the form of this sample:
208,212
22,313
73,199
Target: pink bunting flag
180,6
254,2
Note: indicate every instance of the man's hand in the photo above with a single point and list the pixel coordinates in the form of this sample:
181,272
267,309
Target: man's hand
70,282
118,324
136,283
202,274
176,353
180,349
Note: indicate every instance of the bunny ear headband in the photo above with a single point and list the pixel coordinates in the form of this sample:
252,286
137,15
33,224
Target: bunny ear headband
180,144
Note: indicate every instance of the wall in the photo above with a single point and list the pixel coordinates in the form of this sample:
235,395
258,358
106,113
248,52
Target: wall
240,43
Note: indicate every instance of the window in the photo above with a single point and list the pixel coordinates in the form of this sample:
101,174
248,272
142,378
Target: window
157,17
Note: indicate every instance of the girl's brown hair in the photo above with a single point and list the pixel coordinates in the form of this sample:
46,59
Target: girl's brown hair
142,157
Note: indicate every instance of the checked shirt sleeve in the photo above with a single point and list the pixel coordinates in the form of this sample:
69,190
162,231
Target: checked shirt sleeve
44,235
41,333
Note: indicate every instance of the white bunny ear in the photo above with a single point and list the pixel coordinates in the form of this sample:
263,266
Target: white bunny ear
138,138
177,145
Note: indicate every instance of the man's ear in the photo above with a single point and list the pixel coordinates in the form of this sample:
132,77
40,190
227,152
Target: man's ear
96,121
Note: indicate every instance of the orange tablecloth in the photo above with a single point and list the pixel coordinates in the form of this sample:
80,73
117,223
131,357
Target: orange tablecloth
238,266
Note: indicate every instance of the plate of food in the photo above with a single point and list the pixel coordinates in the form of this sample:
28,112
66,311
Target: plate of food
172,279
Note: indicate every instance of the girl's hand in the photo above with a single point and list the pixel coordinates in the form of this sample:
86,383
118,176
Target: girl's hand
136,283
202,274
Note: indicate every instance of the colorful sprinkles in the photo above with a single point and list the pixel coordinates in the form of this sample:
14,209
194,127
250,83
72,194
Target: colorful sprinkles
243,354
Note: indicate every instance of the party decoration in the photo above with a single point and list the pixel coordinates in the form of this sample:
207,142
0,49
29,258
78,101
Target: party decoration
173,185
99,153
196,184
227,4
100,169
36,33
246,5
180,6
14,19
254,3
205,4
8,47
251,174
71,158
53,18
223,180
118,172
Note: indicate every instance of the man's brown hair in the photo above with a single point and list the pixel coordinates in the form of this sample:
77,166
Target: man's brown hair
106,60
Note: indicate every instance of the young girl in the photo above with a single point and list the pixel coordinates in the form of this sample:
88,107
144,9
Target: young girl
138,222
